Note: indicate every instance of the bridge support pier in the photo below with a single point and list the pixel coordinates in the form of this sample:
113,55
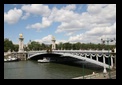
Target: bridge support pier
115,61
90,56
97,58
111,61
20,55
115,57
104,70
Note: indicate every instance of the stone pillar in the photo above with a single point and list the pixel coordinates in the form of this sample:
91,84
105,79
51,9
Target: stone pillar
85,55
104,59
22,56
53,43
115,56
115,50
111,61
115,61
97,57
21,49
91,56
28,55
104,70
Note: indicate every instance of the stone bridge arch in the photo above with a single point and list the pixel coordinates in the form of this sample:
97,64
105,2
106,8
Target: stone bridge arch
80,57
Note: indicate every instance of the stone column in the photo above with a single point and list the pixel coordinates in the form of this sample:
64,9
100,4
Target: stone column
104,59
104,71
85,55
21,43
97,57
53,43
91,56
115,60
115,56
111,61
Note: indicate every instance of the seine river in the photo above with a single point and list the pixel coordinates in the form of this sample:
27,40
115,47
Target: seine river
34,70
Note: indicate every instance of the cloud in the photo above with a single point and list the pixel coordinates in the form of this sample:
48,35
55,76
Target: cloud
45,23
96,16
69,27
38,9
46,39
83,38
105,30
95,8
76,38
26,16
12,16
94,35
99,20
61,41
70,7
69,34
52,15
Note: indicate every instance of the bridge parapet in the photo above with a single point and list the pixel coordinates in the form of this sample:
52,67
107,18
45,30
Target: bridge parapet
69,51
42,51
82,51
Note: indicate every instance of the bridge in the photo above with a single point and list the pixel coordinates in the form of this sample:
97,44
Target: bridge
98,57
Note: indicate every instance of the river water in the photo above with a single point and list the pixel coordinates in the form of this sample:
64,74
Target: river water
34,70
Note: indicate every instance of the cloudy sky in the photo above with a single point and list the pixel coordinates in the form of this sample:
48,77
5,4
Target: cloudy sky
66,22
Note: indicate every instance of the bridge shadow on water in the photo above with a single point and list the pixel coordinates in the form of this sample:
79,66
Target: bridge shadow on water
67,60
82,64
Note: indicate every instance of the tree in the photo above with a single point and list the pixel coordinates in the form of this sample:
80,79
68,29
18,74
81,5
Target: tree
8,45
34,45
43,46
67,46
16,47
78,45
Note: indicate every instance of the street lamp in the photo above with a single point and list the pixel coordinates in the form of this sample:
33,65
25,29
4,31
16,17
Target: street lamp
108,40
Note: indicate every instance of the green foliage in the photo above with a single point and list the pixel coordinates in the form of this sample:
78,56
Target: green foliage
34,46
83,46
8,45
61,46
16,47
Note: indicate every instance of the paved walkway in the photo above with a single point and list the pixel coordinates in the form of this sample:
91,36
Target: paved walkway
99,76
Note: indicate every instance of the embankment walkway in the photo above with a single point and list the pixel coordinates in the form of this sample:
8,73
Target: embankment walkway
99,76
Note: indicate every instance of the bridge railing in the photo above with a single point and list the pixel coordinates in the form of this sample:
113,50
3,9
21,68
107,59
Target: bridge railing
96,51
106,51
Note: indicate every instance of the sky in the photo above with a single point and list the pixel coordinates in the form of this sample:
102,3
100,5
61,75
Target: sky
72,23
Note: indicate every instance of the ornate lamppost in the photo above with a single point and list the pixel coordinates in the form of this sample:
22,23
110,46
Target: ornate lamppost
21,45
108,40
53,43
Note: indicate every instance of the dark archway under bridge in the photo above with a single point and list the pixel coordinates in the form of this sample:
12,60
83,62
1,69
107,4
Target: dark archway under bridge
55,57
67,60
